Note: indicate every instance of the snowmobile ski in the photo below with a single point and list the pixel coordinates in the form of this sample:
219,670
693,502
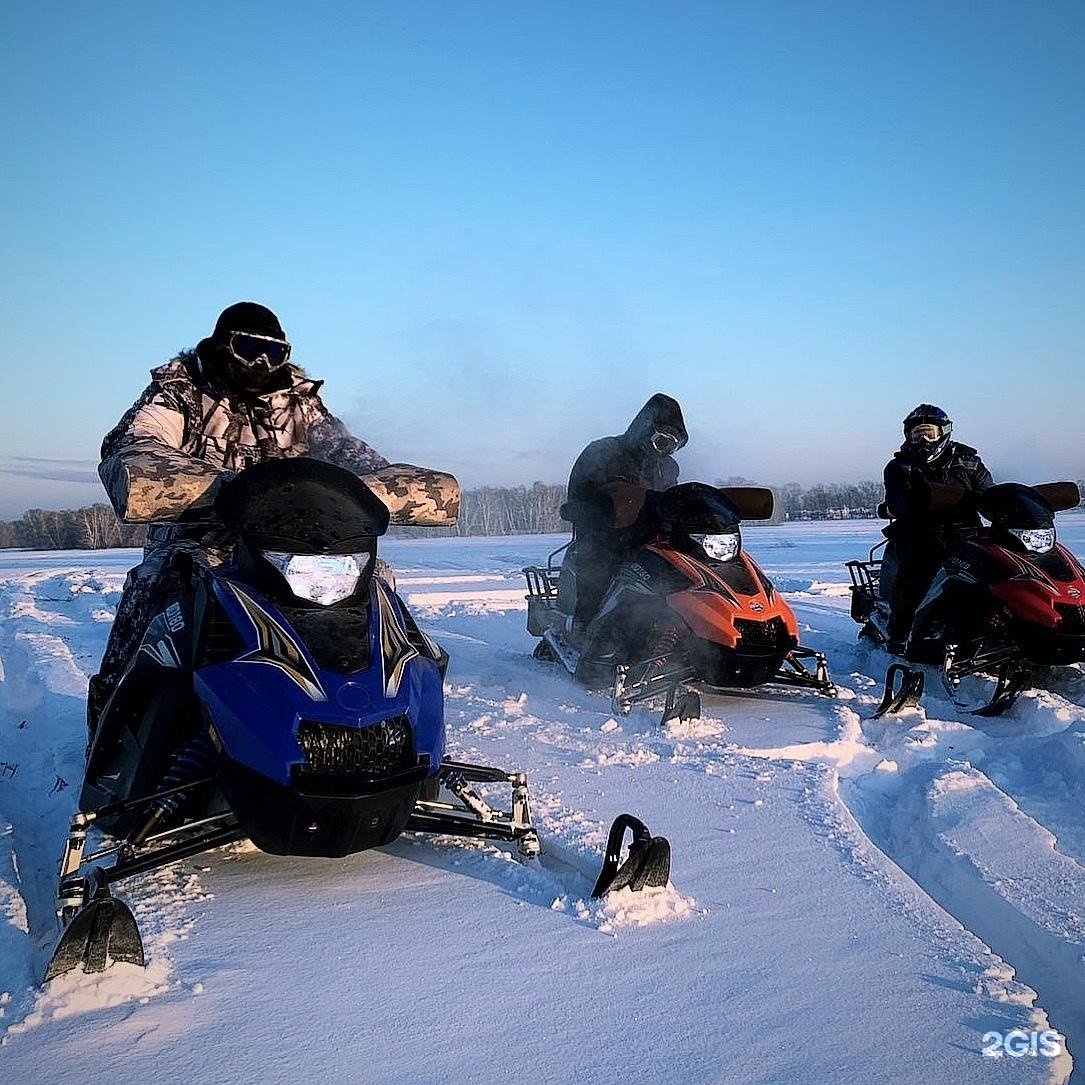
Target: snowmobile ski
1010,684
1012,677
102,931
647,864
682,705
901,694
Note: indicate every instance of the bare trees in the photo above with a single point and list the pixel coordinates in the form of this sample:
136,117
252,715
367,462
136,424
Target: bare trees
94,527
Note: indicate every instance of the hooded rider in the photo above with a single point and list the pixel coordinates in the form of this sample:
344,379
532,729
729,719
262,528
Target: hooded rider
234,401
922,534
609,487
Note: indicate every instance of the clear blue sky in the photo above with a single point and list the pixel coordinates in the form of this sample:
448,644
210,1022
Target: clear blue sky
496,228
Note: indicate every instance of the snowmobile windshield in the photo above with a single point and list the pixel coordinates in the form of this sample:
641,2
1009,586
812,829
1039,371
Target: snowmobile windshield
304,527
321,578
302,506
1015,507
695,508
722,547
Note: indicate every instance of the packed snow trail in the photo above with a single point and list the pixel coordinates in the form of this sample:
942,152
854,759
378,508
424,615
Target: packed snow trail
823,866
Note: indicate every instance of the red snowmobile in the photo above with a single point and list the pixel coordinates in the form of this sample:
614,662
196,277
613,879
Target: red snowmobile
1011,600
690,610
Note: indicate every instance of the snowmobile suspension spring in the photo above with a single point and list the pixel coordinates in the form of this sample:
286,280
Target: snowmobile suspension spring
195,762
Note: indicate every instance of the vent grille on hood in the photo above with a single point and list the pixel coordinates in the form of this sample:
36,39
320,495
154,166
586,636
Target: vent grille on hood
377,750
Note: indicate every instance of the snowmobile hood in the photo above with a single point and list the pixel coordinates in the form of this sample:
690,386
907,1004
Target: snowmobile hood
660,414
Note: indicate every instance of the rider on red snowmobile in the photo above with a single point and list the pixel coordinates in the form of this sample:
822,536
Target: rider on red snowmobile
608,487
922,535
232,402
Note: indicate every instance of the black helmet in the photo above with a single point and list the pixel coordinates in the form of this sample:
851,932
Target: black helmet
927,431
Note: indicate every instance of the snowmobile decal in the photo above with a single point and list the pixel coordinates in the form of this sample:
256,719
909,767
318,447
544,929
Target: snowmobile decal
162,652
396,648
702,577
276,647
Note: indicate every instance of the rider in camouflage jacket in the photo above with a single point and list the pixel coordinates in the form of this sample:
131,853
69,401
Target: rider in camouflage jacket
232,402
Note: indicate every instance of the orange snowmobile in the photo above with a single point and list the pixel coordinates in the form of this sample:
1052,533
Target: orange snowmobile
691,609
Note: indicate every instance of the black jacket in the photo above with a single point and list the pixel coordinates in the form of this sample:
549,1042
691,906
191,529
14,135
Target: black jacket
628,459
908,483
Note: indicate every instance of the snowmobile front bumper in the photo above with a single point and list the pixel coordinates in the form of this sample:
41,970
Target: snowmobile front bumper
331,822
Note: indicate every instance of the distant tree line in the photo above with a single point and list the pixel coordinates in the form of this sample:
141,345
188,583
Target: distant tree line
94,527
489,510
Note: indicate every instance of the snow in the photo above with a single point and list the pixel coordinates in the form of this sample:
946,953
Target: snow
851,898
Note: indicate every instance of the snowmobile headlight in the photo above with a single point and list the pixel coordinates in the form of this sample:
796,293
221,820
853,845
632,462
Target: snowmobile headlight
320,578
1038,539
722,547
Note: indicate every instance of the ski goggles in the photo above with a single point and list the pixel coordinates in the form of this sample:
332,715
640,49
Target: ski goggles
252,350
927,433
665,443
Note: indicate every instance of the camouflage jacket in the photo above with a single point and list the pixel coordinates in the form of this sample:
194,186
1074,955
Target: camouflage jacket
164,459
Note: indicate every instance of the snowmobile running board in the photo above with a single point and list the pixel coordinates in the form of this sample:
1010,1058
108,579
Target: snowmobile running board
900,695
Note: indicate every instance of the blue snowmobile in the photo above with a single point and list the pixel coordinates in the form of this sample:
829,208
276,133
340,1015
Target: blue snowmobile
286,697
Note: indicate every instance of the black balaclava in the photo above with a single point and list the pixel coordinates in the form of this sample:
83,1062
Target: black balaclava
219,363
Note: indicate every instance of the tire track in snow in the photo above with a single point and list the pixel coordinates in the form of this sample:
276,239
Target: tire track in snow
910,785
994,869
